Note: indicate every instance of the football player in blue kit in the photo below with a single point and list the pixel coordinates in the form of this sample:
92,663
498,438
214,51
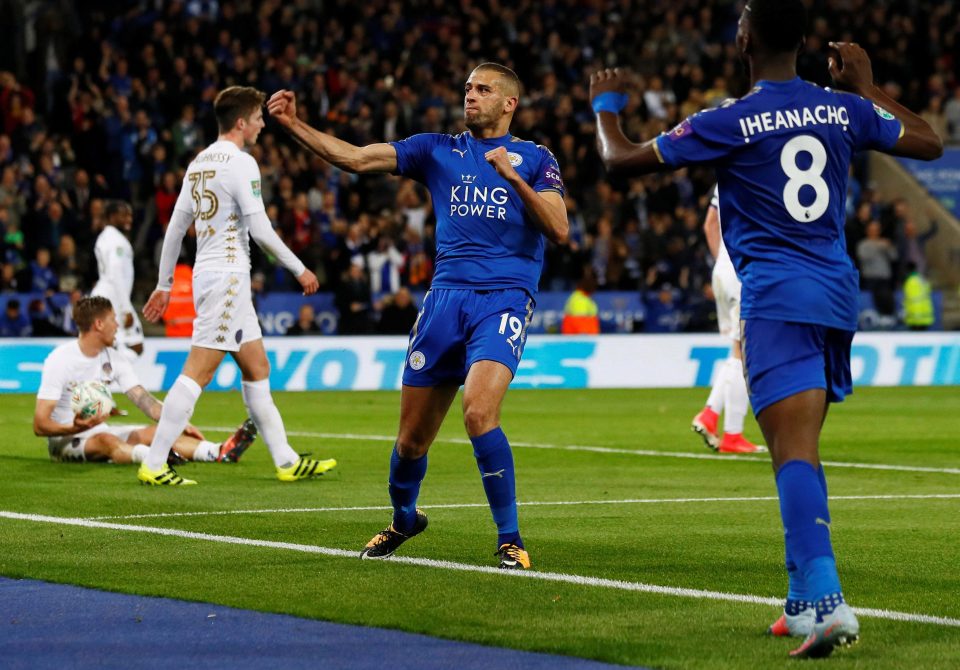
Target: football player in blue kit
782,154
496,197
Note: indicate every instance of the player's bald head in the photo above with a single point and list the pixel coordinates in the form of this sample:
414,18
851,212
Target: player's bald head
507,81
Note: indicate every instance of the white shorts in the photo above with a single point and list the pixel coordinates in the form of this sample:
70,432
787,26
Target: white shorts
225,314
726,289
65,448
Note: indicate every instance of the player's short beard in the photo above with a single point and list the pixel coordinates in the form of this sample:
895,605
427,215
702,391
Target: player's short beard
480,121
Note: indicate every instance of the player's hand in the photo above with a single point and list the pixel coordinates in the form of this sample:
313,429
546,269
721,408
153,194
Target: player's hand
309,282
81,425
850,67
193,431
156,305
501,163
282,106
116,411
611,80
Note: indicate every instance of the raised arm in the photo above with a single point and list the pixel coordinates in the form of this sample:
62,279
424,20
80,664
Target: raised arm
371,158
619,154
855,74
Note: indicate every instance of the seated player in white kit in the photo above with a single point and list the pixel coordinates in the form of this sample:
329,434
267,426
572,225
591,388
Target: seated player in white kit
91,357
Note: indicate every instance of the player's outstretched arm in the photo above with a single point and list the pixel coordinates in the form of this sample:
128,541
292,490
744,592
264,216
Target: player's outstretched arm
151,407
854,73
157,304
371,158
619,154
266,237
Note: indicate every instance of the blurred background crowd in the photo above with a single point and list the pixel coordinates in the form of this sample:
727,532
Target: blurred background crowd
111,99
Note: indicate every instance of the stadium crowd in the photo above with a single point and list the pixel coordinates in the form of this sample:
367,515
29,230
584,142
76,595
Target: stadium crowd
106,99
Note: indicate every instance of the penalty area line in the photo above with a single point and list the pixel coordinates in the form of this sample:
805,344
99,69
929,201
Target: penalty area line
577,580
729,458
542,503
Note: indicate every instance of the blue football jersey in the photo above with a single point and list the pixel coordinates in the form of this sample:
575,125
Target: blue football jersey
782,155
485,240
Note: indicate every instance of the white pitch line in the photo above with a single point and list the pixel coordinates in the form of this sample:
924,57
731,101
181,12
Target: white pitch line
730,458
466,567
543,503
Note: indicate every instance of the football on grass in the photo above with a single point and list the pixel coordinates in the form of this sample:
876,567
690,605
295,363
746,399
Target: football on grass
91,399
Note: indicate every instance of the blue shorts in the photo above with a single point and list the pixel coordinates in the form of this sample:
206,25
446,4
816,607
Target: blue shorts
458,327
783,358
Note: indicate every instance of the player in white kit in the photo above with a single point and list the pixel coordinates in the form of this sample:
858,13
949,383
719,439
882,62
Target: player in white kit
115,275
221,196
729,392
91,357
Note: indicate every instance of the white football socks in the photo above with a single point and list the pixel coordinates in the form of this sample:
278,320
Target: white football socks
263,411
736,397
177,410
717,395
139,453
206,451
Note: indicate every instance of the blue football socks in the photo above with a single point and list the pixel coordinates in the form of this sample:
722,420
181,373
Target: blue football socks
495,461
405,477
806,523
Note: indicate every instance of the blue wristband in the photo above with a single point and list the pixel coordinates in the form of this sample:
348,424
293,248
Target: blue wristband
610,102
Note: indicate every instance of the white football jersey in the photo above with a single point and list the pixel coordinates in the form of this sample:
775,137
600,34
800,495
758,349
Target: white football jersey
220,187
115,268
67,365
723,266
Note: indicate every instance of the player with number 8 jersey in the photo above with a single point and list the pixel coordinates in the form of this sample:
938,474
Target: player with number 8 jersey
782,154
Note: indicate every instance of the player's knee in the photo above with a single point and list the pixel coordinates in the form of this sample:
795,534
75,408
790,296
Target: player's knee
479,419
411,445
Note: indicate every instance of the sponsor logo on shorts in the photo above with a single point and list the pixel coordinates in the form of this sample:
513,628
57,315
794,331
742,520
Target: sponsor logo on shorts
417,360
239,335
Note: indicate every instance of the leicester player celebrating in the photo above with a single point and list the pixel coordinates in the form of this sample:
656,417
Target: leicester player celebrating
496,197
781,154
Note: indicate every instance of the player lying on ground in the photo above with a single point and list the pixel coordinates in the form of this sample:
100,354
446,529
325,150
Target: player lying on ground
495,197
782,155
91,357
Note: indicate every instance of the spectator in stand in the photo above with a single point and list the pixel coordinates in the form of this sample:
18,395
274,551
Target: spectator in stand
306,322
385,264
398,314
952,111
41,320
354,301
876,256
911,247
67,266
935,116
14,323
42,276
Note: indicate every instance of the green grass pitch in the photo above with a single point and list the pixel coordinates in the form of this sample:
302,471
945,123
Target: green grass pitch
897,554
